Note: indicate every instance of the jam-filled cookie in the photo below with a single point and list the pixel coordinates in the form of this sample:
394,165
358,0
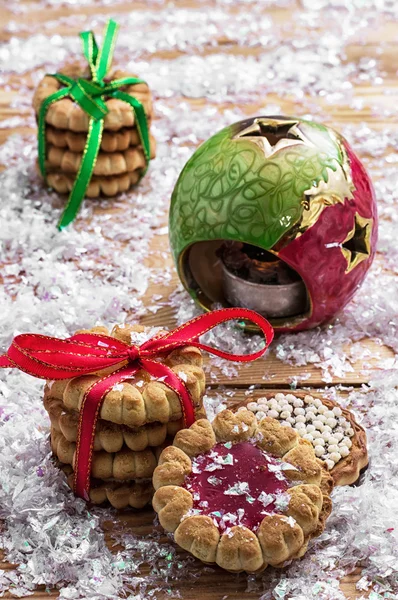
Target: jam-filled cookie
241,493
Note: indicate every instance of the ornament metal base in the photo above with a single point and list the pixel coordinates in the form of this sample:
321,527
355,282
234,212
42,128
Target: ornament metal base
270,300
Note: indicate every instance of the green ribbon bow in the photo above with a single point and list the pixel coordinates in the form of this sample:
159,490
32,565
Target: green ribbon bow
89,95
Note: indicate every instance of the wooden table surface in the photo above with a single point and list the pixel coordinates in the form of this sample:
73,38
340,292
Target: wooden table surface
270,372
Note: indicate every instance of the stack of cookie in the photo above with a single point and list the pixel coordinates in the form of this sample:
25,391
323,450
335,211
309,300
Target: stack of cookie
121,159
137,419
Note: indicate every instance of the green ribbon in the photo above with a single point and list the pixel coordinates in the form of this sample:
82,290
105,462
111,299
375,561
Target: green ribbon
90,97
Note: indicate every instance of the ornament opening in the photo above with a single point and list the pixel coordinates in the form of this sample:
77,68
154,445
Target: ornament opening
275,214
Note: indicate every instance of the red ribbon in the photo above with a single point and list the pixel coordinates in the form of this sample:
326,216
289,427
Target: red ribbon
86,353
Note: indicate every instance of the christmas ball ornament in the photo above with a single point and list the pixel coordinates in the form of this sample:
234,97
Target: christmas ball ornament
275,214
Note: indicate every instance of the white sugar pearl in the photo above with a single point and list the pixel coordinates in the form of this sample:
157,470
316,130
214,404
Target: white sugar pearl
287,407
317,402
333,440
326,436
300,419
321,418
331,422
298,403
329,463
308,399
322,410
344,451
333,448
262,402
309,437
319,441
335,456
329,414
273,404
338,436
290,398
300,428
326,428
350,431
337,411
291,420
319,450
310,415
260,415
346,442
279,397
273,414
299,411
252,406
310,428
318,424
284,414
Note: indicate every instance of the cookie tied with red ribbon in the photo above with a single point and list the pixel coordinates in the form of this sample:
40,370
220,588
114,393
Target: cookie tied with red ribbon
115,400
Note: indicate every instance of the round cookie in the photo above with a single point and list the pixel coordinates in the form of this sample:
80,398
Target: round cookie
124,465
141,399
109,436
107,163
115,141
333,431
135,494
98,186
67,114
241,493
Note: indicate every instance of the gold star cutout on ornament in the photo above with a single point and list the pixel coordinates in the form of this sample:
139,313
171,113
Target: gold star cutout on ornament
272,133
268,125
356,246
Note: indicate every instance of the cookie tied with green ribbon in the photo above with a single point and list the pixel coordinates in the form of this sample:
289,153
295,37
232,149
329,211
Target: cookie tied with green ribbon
93,127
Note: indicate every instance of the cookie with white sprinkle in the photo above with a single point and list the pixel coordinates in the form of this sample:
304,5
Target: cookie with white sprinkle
335,435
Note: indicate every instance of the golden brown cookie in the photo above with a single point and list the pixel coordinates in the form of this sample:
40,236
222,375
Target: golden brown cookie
98,186
112,141
108,163
66,114
332,430
124,465
109,436
142,399
241,493
135,494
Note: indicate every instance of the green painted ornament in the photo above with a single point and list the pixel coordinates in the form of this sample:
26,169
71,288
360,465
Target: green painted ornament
276,214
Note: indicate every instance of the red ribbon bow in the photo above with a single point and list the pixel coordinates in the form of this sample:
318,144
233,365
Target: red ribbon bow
85,353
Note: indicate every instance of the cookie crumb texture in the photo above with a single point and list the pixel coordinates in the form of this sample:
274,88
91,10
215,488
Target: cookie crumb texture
241,493
136,421
337,438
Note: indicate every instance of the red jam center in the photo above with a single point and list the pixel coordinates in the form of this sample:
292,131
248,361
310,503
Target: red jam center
237,484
